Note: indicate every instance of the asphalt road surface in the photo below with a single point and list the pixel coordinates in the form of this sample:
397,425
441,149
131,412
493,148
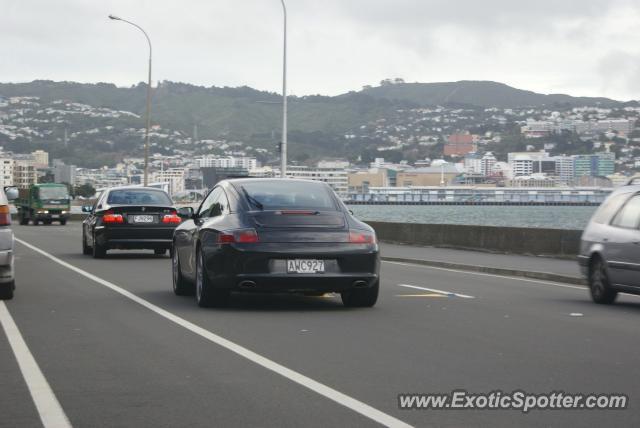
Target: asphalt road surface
106,343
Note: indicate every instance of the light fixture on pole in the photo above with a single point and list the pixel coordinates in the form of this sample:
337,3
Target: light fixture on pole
283,147
148,111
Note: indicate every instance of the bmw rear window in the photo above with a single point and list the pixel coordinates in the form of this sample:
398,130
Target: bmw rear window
284,194
138,197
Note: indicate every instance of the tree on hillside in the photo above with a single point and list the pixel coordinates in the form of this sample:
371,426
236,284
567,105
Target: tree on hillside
86,190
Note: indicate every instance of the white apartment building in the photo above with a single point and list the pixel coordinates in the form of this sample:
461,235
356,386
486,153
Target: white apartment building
564,168
40,158
173,176
211,161
487,164
337,178
524,163
473,163
6,171
24,174
264,172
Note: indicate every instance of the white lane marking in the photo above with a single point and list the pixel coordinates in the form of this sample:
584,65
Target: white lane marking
516,278
324,390
49,409
469,272
446,293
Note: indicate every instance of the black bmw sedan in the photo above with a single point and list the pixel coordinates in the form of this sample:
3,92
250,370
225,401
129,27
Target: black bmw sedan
128,218
274,235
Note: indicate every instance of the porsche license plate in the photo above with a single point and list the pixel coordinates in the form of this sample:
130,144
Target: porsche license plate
305,266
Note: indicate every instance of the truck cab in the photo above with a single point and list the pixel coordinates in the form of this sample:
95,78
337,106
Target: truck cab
46,202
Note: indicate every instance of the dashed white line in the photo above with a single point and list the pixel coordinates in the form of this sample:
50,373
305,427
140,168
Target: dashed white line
51,413
446,293
469,272
324,390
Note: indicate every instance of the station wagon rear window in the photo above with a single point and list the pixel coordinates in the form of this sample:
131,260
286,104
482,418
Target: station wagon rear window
609,208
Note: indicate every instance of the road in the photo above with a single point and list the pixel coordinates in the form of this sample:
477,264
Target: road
117,348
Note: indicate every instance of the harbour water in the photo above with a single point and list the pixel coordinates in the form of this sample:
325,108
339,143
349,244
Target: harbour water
551,217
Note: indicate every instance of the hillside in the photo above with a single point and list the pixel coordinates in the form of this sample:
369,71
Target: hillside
100,124
236,112
477,93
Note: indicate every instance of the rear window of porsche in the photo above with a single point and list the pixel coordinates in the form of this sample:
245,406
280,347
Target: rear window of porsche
283,194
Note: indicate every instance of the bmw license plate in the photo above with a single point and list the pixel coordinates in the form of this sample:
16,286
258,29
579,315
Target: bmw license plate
305,266
143,219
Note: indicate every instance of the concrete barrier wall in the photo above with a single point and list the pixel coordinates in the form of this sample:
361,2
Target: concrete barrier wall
543,242
515,240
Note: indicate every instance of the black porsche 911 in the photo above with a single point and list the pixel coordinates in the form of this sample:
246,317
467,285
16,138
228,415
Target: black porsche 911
274,235
128,218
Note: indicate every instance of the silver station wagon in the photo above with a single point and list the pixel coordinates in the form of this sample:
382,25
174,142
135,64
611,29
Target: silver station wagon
610,247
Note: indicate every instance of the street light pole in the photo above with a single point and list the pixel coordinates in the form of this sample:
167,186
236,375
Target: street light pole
148,111
283,147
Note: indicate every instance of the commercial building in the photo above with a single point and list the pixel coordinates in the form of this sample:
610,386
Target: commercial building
175,177
527,163
360,181
6,171
63,173
210,161
460,145
564,168
470,194
40,159
595,165
487,164
430,176
24,174
337,178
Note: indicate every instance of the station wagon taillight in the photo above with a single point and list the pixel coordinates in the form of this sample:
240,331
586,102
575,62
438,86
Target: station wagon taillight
5,215
240,236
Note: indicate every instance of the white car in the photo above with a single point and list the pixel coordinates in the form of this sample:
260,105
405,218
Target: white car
7,280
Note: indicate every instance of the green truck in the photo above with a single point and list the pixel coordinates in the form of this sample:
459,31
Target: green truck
46,202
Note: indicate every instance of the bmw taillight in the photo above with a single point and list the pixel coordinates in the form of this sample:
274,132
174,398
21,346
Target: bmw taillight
172,218
110,218
362,237
239,236
5,215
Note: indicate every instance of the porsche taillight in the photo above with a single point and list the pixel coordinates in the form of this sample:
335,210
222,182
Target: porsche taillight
362,237
239,236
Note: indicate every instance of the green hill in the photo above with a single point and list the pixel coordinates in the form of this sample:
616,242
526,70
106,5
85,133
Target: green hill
476,93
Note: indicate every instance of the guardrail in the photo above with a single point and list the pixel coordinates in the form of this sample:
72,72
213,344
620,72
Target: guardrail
516,240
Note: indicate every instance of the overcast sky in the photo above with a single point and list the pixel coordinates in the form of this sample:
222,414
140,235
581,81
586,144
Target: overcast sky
579,47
